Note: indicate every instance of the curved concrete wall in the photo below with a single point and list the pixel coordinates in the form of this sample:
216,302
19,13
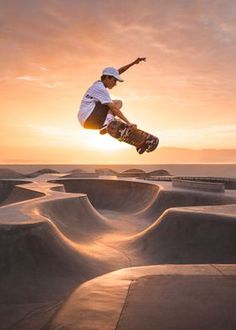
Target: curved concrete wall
182,236
177,198
75,217
32,252
114,195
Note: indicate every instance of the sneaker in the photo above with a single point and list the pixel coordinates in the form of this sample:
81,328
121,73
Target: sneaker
103,130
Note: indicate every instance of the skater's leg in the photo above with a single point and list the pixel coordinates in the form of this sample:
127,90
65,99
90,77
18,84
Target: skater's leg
97,117
110,117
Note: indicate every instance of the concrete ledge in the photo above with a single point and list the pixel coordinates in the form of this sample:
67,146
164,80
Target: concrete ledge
81,175
230,183
198,185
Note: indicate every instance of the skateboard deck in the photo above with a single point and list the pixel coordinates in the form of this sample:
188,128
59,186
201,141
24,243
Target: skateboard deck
143,141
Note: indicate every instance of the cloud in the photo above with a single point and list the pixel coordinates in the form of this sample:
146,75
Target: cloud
66,30
53,84
28,78
190,40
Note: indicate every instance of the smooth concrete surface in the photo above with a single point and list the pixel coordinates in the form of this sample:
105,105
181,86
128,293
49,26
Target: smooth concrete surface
154,297
176,302
69,251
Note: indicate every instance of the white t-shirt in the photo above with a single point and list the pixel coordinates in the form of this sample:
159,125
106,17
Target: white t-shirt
96,93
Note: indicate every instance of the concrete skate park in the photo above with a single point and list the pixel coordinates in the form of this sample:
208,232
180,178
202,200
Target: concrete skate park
110,253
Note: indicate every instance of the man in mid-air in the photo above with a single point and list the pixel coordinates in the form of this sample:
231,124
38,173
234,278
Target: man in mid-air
97,108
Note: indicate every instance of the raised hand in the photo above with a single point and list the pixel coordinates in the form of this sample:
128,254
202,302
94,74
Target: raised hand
139,59
126,67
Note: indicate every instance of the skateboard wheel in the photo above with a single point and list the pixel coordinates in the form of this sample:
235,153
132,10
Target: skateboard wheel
141,150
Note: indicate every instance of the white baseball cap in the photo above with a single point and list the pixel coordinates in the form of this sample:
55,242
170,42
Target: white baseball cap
110,71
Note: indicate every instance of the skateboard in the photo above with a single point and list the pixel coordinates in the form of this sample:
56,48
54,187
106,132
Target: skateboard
143,141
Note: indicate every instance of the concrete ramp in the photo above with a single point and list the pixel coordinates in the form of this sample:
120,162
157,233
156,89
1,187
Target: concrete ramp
12,192
169,198
36,260
40,265
188,235
19,194
39,269
75,217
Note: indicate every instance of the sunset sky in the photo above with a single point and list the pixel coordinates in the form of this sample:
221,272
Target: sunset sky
52,51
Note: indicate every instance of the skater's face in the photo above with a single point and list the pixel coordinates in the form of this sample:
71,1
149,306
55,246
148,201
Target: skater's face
110,82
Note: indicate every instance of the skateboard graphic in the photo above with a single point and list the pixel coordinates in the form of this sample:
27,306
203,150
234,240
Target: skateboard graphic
143,141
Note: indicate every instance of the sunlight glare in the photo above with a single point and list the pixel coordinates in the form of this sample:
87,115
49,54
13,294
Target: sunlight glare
89,139
103,142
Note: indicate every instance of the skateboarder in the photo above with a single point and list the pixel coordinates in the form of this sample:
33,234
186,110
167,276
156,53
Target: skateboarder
97,108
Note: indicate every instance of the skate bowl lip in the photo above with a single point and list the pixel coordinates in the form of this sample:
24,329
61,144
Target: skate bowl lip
155,180
159,184
115,194
54,192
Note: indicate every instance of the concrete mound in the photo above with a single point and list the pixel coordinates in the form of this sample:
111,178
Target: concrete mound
41,172
6,173
105,171
182,236
133,172
160,172
18,194
79,173
6,187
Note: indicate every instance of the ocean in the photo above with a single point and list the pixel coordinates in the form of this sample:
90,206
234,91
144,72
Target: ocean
212,170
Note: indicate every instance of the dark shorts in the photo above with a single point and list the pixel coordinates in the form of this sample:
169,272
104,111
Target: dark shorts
97,117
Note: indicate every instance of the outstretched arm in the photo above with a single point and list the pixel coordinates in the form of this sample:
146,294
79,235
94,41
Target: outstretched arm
126,67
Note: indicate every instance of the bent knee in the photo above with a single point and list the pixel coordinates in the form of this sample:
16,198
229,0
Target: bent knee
118,103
